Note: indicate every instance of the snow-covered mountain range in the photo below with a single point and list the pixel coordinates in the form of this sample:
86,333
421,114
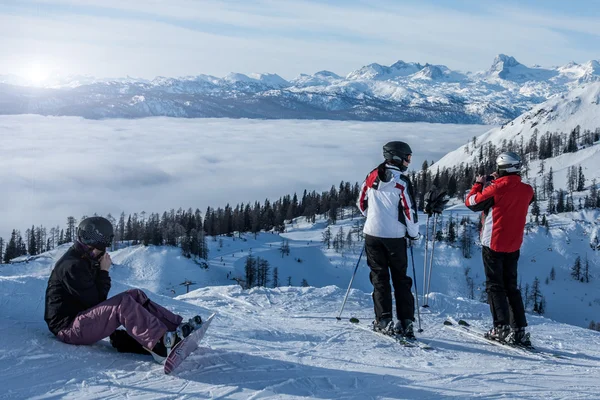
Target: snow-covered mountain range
403,91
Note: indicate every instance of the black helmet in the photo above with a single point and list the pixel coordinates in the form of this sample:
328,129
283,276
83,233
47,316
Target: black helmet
435,200
96,232
396,153
508,163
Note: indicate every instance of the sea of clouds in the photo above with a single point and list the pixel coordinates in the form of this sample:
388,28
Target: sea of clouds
55,167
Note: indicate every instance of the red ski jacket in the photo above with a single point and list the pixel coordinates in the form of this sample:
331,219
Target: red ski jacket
504,204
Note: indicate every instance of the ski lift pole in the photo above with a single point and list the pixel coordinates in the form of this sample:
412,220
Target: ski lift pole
426,299
339,317
412,257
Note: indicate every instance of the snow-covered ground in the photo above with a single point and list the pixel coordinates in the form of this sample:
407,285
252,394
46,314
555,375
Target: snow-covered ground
285,343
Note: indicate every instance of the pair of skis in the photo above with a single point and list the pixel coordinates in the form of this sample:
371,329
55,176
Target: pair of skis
466,329
400,339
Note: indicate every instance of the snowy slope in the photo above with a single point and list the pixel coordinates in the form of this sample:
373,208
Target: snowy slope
285,343
563,113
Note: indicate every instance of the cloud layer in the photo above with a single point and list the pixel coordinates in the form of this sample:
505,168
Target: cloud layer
55,167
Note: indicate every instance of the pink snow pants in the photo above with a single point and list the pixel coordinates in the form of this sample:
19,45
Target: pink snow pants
144,320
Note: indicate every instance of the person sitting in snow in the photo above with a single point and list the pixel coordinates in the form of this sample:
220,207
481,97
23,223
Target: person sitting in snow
78,311
504,204
387,200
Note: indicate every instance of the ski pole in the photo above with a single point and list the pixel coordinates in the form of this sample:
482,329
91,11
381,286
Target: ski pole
339,317
426,250
426,301
412,258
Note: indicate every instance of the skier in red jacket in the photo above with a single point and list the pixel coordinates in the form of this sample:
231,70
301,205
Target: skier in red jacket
504,204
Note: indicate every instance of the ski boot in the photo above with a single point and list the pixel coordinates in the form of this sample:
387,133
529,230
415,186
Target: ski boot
384,325
499,333
405,328
518,337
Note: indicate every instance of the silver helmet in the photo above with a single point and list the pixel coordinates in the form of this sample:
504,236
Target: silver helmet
509,162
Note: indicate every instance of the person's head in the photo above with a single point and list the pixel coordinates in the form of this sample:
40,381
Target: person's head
398,154
508,163
96,233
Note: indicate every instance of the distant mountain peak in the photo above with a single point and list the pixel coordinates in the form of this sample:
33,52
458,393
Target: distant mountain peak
328,74
377,71
404,65
429,72
502,63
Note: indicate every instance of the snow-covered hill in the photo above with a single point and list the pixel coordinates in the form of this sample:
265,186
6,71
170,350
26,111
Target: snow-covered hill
579,107
403,91
285,343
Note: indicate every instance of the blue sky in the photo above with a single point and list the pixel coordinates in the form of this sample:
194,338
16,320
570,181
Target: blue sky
148,38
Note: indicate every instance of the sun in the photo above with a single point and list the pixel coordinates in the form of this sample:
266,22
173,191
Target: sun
36,73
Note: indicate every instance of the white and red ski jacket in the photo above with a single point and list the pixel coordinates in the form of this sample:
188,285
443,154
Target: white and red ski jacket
387,200
504,204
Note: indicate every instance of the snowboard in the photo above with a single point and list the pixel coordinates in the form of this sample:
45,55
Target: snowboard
184,348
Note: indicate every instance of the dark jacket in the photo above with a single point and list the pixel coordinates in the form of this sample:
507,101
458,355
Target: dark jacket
76,284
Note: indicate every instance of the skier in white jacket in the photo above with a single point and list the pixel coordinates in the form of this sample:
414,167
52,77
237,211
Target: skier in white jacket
387,200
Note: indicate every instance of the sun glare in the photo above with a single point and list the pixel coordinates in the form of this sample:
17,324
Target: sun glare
36,73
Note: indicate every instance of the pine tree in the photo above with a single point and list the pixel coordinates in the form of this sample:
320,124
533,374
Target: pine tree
550,182
349,239
560,201
593,199
542,306
586,270
31,243
259,272
451,231
576,269
571,178
580,180
535,207
120,229
289,281
264,268
202,245
250,270
466,239
304,283
70,232
285,248
536,295
1,250
552,274
551,207
275,277
186,246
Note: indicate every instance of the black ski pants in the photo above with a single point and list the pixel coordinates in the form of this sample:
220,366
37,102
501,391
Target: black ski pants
385,257
503,292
